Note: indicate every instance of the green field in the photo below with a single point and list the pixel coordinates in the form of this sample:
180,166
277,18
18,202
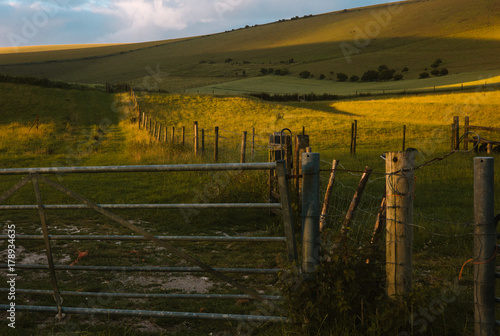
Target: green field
92,128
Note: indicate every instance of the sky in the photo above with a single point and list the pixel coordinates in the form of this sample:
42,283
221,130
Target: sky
48,22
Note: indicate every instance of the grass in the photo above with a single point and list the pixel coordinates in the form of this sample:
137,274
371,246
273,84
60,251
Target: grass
71,126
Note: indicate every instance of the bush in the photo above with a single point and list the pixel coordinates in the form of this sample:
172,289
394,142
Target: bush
354,78
398,77
322,76
405,70
277,72
342,77
424,75
264,71
284,72
386,75
382,68
443,72
305,74
435,72
437,63
370,76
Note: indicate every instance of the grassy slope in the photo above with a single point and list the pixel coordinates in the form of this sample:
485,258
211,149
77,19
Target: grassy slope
463,33
66,135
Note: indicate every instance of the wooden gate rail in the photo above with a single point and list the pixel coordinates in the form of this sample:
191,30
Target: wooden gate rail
35,175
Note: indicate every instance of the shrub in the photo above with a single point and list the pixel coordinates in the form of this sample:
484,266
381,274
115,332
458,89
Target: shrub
437,63
405,70
424,75
305,74
229,60
386,75
435,72
264,71
342,77
277,72
322,76
370,76
284,72
382,68
354,78
398,77
443,72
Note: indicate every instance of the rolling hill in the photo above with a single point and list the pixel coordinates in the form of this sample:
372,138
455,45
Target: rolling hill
465,34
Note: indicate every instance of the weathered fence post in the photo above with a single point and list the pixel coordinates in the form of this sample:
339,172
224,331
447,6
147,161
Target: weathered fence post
195,138
202,140
356,199
243,147
399,221
183,135
354,134
328,193
301,143
456,137
310,212
173,135
216,144
165,135
484,247
404,137
466,133
253,142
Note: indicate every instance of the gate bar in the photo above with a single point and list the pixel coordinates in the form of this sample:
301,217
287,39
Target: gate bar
136,238
147,269
145,295
148,206
150,313
141,168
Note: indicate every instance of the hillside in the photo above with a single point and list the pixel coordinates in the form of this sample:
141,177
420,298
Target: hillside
465,34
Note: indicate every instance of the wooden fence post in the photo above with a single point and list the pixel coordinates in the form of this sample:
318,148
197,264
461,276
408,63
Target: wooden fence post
310,212
484,247
301,143
165,135
404,138
253,142
328,193
196,138
356,199
173,135
243,147
466,132
202,140
183,135
399,222
456,121
216,144
354,134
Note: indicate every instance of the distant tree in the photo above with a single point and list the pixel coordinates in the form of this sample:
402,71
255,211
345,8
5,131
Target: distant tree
370,76
443,72
331,73
277,72
322,76
284,72
342,77
435,72
270,70
291,60
385,75
424,75
229,60
437,63
405,70
354,78
382,68
398,76
305,74
264,71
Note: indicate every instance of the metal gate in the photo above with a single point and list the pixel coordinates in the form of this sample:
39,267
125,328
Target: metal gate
37,175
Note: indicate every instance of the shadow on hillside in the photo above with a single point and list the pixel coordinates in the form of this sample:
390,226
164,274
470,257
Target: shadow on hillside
323,106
